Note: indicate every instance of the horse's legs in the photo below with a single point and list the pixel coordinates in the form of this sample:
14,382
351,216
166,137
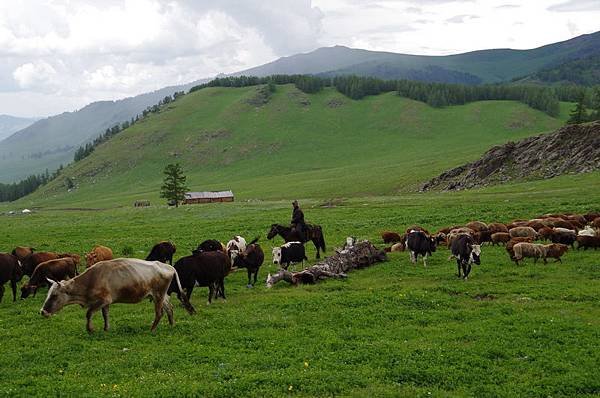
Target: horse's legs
316,243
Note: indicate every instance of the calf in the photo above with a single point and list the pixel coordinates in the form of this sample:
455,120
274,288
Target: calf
57,270
209,245
98,253
10,270
524,249
418,243
236,246
163,252
555,250
204,269
390,237
34,259
124,280
251,259
500,237
586,241
466,252
291,252
20,252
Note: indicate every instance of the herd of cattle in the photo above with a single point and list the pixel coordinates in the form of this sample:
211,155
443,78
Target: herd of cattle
518,236
107,280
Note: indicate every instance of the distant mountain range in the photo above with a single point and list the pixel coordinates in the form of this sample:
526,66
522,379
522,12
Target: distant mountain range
52,141
49,142
485,66
11,124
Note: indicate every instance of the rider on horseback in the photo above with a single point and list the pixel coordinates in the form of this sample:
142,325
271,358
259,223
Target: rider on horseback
298,223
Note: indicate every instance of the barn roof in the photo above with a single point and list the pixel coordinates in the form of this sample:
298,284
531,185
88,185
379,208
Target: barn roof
209,195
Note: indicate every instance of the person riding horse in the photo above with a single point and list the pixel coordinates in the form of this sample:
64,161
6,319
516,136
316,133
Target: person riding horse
298,223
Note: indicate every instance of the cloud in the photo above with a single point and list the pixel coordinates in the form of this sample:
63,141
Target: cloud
576,6
507,6
39,75
461,18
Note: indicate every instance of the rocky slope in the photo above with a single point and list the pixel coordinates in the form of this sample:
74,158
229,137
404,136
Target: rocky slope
571,149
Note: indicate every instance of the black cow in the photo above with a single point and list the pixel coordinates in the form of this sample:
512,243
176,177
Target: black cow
251,259
209,245
419,243
163,252
466,252
206,269
10,270
291,252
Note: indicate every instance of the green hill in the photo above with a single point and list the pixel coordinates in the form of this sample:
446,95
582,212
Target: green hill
295,145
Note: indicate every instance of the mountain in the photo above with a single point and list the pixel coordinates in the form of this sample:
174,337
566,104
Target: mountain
290,145
52,141
485,66
582,71
572,149
10,124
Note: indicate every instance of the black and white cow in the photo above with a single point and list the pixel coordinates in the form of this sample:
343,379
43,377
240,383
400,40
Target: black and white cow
466,253
419,243
291,252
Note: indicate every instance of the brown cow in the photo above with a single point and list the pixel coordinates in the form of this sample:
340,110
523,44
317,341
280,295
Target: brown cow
76,257
22,251
497,227
390,237
123,280
523,232
34,259
500,237
58,270
10,270
555,250
524,249
588,241
98,253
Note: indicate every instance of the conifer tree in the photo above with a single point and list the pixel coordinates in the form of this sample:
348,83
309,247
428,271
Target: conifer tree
174,186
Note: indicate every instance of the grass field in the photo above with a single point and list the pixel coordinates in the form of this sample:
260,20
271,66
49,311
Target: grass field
390,330
296,145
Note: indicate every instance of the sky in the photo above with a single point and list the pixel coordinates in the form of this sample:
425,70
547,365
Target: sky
59,55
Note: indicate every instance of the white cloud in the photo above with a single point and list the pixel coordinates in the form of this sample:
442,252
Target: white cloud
38,75
576,6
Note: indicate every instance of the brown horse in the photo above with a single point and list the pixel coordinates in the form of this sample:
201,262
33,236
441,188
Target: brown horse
313,233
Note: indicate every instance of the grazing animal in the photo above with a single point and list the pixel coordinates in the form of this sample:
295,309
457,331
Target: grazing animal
123,280
76,257
209,245
291,252
526,232
497,227
416,228
98,253
22,251
587,231
596,222
466,252
34,259
482,236
390,237
512,242
500,237
555,250
591,216
163,252
314,233
477,226
419,243
535,224
57,270
396,247
204,269
566,237
586,241
251,259
517,223
236,246
524,249
458,231
10,271
545,233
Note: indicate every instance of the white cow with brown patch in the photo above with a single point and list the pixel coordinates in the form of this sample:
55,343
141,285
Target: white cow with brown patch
123,280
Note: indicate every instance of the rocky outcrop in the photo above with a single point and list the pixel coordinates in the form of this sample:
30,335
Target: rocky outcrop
572,149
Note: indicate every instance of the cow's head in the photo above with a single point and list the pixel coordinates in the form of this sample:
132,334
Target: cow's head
91,259
432,243
57,298
476,254
26,290
277,255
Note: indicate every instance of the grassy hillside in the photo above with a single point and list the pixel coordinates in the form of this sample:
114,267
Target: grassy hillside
392,330
296,145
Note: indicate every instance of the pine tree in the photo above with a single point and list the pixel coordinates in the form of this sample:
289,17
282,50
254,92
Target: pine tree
174,186
579,114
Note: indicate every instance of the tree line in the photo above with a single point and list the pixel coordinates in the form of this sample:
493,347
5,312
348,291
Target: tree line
16,190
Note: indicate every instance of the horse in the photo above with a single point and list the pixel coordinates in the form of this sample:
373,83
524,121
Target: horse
312,232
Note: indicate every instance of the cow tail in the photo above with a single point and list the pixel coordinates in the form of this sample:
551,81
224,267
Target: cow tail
183,297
